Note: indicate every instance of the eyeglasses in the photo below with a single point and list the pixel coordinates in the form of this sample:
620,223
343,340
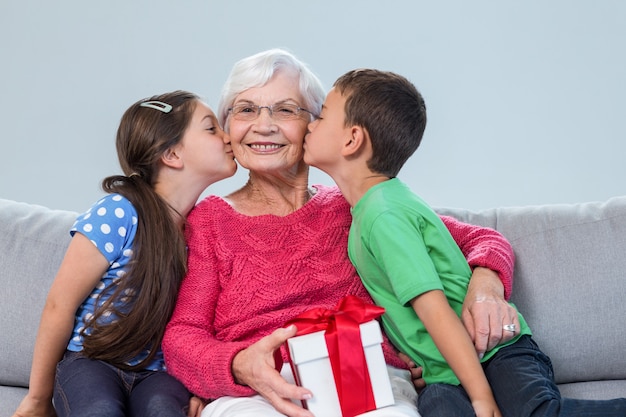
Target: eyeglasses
279,111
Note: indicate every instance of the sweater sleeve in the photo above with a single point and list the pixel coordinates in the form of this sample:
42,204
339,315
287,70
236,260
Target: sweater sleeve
192,352
484,247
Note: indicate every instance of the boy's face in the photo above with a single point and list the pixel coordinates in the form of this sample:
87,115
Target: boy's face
323,143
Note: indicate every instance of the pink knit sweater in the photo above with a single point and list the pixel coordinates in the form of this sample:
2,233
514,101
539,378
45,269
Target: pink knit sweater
249,275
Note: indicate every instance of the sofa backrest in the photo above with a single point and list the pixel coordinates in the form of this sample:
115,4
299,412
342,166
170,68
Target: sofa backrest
33,240
570,281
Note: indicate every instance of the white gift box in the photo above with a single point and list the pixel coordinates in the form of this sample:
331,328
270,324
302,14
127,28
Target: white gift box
312,369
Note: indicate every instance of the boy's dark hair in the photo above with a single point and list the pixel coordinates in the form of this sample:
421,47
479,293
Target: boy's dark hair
159,260
392,111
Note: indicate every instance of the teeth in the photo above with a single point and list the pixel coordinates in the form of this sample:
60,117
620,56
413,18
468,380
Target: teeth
265,147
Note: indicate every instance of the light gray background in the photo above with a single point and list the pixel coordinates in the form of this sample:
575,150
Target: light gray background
526,100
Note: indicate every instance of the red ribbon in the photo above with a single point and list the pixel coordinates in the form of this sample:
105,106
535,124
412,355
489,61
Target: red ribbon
345,349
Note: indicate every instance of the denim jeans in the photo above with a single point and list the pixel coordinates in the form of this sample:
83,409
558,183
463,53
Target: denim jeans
87,387
522,381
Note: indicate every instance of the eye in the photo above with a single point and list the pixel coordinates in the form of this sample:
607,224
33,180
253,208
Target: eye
286,109
244,108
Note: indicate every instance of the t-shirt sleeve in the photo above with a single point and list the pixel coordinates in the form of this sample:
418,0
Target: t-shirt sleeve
398,245
110,225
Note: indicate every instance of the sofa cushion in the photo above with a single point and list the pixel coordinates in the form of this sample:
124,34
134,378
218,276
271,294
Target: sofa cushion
31,250
570,274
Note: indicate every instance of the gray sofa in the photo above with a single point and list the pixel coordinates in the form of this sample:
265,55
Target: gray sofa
570,283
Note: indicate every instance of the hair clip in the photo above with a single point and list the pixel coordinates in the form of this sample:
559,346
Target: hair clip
157,105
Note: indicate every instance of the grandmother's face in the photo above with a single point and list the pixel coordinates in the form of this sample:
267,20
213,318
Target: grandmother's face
269,143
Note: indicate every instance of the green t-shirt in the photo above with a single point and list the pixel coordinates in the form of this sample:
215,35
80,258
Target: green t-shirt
401,249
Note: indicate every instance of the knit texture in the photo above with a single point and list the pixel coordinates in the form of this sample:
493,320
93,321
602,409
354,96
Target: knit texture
248,275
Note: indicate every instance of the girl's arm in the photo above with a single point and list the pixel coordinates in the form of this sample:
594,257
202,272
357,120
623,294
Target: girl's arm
452,340
81,270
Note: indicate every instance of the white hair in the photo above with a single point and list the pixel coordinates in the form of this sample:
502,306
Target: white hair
256,70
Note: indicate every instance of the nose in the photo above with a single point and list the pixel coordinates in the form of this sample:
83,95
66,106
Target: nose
264,122
270,114
269,110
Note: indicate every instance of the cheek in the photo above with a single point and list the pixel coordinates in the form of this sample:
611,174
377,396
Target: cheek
295,133
237,131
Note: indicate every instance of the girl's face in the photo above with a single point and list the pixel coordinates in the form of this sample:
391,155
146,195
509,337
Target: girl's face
266,144
205,147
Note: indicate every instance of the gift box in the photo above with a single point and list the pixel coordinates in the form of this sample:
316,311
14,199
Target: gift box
343,365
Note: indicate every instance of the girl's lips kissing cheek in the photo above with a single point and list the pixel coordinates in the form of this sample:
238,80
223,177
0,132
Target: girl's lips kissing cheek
265,147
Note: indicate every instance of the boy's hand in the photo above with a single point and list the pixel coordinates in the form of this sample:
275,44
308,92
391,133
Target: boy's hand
486,409
416,372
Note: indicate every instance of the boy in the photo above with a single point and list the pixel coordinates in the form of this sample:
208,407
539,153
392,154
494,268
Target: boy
370,124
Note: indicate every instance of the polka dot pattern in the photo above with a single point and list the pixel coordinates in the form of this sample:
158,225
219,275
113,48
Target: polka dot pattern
111,224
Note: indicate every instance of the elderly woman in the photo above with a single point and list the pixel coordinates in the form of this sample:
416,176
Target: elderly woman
278,247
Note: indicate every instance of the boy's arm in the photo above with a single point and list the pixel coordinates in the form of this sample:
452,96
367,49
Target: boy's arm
450,337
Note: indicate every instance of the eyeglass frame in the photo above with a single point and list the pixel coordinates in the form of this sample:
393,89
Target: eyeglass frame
270,109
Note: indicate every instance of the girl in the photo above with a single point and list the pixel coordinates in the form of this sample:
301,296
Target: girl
115,290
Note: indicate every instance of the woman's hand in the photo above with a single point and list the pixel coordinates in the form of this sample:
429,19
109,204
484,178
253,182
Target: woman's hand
485,311
255,367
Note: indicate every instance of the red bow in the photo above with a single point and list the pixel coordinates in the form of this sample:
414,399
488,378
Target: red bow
345,349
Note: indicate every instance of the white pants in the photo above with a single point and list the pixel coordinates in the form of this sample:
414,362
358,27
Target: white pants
256,406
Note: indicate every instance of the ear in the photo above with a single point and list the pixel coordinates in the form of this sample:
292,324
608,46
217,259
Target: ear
171,158
356,141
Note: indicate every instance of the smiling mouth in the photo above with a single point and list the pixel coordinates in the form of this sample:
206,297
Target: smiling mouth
265,148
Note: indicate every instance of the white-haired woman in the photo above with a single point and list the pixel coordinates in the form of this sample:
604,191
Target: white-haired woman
278,246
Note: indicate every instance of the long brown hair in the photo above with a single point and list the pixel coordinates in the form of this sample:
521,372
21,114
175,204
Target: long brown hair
158,263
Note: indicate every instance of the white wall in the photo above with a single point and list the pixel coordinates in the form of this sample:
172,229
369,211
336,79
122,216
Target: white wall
526,100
